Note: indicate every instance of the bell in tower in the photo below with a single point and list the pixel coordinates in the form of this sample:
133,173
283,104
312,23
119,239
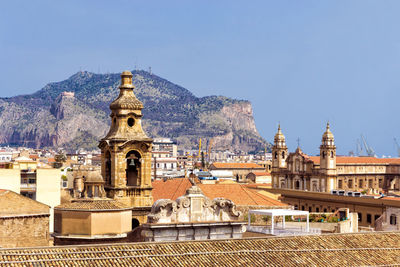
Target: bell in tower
126,152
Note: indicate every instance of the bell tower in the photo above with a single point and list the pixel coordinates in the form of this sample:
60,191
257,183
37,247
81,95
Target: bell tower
328,160
279,155
126,153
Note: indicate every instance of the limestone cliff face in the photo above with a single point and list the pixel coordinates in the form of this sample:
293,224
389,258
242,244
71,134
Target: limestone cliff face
49,118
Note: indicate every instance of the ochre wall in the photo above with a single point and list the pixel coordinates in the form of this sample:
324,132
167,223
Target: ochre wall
10,179
48,189
74,222
27,231
116,222
89,223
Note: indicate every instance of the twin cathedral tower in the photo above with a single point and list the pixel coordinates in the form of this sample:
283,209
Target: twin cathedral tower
298,170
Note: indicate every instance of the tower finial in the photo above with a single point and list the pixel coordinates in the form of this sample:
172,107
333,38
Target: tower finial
327,125
126,80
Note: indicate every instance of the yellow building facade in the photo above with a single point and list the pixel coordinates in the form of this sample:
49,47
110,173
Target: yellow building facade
126,153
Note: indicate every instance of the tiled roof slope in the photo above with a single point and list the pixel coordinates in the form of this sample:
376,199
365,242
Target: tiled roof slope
323,250
239,194
13,204
93,205
359,160
234,165
170,189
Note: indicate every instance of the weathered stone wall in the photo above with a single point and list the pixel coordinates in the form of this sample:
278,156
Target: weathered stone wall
24,231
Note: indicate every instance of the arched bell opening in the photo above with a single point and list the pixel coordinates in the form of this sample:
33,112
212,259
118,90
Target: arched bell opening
135,223
133,168
107,168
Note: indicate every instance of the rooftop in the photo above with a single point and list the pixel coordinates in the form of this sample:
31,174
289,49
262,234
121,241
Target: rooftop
93,205
376,248
13,205
238,193
359,160
236,165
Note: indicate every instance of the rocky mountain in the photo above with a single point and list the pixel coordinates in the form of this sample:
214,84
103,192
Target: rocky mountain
52,117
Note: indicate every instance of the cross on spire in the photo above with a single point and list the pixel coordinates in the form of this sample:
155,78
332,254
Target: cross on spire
298,141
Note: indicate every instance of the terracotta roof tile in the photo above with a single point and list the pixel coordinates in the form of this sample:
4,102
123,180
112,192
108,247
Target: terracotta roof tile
366,249
238,193
359,160
236,165
170,189
93,205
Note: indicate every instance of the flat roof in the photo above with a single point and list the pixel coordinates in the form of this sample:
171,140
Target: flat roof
279,212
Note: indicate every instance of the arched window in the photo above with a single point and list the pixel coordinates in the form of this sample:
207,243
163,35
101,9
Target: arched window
276,155
323,154
133,168
297,184
331,154
393,219
283,154
108,167
135,223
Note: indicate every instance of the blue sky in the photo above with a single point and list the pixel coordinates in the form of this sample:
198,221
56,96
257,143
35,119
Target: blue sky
300,63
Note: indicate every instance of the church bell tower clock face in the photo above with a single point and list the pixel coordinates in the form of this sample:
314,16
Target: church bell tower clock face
126,150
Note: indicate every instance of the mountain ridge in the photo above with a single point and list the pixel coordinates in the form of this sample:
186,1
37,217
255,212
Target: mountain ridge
47,118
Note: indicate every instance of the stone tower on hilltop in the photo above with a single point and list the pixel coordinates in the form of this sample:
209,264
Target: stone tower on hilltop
126,153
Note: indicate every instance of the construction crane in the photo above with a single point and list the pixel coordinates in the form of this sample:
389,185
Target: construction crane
397,147
209,149
370,152
359,149
199,154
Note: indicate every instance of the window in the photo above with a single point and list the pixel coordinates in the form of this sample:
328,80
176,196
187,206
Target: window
325,210
309,209
323,154
333,211
361,183
296,207
283,154
303,208
359,217
331,154
376,217
317,209
276,155
340,184
350,183
297,184
131,122
380,183
370,183
369,218
393,219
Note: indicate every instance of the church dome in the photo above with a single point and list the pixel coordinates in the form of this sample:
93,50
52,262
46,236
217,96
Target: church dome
94,177
279,135
328,134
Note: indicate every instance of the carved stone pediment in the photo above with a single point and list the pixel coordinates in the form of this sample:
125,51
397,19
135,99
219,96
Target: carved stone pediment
194,206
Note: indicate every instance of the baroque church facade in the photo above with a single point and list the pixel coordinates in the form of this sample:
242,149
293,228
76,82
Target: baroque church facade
328,171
